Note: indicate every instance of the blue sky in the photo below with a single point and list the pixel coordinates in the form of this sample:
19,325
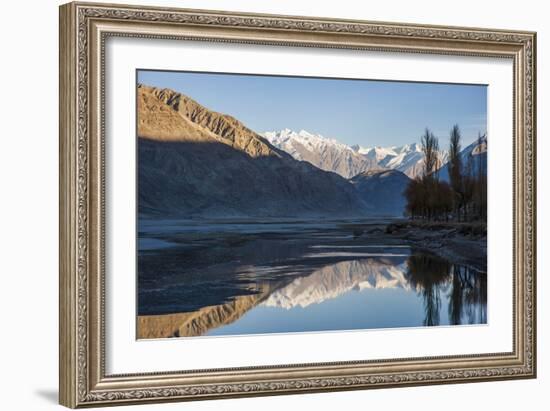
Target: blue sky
363,112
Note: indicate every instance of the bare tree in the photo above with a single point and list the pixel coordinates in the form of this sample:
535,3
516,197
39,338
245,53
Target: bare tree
469,186
455,169
430,147
465,198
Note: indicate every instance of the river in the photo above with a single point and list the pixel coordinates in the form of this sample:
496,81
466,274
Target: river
239,277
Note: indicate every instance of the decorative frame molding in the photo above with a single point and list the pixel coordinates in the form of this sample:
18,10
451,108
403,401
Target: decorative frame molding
83,30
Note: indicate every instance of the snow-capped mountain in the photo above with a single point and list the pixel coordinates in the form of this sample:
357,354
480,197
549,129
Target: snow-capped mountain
408,158
325,153
382,155
331,155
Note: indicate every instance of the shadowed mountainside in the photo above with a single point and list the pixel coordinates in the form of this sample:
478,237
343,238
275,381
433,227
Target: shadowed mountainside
383,191
196,162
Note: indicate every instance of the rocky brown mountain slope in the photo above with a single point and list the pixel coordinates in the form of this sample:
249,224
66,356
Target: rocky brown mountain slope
195,162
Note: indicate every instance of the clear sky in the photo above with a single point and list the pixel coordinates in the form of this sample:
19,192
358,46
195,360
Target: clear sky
364,112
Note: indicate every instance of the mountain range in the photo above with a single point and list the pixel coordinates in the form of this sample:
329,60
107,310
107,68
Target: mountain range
324,153
348,161
195,162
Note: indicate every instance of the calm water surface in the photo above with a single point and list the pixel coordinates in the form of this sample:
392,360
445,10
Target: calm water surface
241,277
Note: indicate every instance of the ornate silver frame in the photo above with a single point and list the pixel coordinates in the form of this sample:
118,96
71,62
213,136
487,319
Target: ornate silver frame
83,30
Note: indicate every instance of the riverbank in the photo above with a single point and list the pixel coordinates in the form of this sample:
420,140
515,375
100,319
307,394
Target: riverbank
465,243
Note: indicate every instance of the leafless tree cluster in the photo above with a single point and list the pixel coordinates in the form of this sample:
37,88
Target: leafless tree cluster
463,198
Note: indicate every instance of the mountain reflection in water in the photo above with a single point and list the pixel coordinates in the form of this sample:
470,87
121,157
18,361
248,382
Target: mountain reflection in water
316,281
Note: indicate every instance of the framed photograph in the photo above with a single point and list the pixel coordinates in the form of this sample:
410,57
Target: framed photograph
259,204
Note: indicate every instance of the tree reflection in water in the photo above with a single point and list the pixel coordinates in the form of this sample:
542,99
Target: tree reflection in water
466,289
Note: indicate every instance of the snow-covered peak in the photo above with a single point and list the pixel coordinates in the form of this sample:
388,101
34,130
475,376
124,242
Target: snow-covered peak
304,137
328,154
407,158
409,148
378,153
